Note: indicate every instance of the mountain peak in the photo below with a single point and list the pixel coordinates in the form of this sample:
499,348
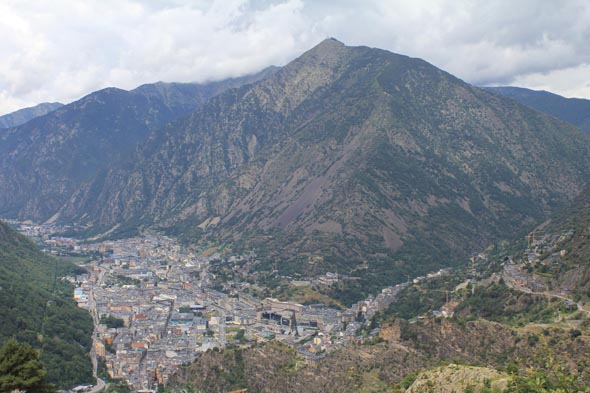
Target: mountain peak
328,49
331,41
329,44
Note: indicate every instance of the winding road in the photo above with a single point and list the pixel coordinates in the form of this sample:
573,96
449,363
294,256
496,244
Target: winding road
509,282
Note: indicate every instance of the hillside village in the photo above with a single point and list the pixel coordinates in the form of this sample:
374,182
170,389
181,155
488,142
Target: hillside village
541,268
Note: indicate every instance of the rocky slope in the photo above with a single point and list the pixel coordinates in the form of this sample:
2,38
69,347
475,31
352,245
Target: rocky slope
458,378
43,161
356,159
387,366
576,217
24,115
575,111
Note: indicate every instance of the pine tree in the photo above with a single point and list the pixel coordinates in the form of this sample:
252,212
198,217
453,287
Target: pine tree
21,369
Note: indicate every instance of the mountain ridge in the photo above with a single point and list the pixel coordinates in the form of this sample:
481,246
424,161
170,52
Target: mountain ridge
48,158
24,115
353,155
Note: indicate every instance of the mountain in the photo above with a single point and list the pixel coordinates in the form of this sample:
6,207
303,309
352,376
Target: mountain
45,160
37,308
348,159
575,111
24,115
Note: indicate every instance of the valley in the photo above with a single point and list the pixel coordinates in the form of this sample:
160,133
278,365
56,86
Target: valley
154,307
353,220
157,307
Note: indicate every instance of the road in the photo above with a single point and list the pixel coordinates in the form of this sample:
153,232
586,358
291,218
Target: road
508,280
100,384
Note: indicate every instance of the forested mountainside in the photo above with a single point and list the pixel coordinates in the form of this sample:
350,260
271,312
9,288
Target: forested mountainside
575,111
348,159
37,307
45,160
24,115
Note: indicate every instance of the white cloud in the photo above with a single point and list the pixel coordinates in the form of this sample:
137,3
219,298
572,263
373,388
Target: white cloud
60,50
570,82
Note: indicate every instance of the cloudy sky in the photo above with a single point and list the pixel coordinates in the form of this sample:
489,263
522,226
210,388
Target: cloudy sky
60,50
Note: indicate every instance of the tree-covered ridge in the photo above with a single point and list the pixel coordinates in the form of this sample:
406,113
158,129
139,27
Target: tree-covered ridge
37,308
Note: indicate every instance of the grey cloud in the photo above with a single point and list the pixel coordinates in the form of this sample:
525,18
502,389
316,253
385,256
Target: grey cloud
63,49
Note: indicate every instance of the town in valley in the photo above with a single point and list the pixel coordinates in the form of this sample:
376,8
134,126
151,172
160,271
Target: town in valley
155,306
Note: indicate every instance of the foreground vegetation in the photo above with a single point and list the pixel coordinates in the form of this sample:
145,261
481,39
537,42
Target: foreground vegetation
21,370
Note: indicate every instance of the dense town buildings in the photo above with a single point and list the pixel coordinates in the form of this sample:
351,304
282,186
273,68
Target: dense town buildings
155,308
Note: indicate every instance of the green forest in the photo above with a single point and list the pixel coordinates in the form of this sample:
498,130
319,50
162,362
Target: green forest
37,308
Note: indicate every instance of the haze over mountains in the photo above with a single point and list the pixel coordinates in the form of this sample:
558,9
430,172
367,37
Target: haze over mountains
575,111
45,160
348,159
24,115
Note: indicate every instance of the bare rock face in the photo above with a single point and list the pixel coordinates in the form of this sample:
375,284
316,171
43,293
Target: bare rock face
391,333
